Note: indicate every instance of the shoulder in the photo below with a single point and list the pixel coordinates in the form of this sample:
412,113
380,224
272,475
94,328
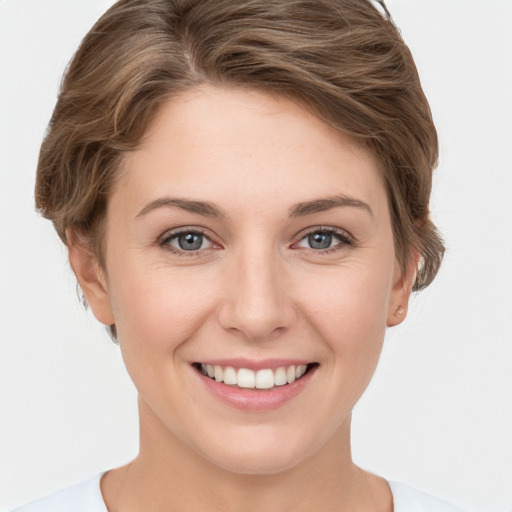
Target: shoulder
82,497
407,499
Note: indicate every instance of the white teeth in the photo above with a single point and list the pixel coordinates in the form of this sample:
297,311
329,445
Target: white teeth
280,377
246,378
300,371
219,373
290,374
261,379
230,376
264,379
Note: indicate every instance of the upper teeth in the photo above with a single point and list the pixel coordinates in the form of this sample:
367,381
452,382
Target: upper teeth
260,379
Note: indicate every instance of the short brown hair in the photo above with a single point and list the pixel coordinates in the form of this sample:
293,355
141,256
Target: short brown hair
344,59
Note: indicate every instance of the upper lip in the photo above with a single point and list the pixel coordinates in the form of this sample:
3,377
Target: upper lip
255,365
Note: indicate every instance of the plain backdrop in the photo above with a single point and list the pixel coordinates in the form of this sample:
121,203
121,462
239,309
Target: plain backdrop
438,413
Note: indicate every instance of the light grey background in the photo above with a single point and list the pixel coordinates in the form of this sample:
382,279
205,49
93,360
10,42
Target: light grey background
438,413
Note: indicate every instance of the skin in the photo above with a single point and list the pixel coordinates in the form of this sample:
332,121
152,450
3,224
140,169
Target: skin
255,289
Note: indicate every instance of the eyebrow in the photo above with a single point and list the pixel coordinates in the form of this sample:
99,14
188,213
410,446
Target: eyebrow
328,203
200,207
301,209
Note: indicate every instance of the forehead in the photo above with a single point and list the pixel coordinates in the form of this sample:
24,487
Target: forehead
227,143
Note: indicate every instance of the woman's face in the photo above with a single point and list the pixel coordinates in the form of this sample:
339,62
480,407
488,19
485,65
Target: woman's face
247,235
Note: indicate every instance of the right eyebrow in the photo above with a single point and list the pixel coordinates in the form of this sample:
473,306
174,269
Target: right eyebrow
204,208
328,203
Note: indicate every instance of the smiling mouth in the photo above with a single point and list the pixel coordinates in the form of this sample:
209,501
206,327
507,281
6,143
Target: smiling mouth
266,378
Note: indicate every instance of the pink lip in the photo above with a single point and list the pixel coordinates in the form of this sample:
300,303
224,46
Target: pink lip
255,365
256,400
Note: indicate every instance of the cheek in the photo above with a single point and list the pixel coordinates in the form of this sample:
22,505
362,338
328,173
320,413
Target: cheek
159,309
349,311
157,313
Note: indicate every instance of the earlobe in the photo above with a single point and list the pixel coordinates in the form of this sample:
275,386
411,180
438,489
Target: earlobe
401,292
91,277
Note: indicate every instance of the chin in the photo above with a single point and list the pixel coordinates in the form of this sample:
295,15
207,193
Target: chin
259,454
255,464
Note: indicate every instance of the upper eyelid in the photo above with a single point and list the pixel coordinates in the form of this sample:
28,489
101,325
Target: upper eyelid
169,234
324,229
164,242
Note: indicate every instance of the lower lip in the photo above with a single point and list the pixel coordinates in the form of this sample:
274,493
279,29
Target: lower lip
257,400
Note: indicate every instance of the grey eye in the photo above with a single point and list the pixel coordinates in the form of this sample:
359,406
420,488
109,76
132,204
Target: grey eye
323,239
320,240
189,241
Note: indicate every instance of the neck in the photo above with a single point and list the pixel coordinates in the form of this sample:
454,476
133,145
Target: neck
168,474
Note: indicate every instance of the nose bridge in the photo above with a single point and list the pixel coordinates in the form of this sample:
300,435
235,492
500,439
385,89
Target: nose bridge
257,303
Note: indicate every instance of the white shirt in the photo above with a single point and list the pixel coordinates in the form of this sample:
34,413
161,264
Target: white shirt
86,497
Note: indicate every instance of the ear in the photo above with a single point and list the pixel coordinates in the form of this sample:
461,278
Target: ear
90,276
403,281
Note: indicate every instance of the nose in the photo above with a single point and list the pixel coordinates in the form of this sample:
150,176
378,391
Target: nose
257,303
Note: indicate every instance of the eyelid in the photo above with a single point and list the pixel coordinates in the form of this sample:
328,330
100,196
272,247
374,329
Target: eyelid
164,239
346,239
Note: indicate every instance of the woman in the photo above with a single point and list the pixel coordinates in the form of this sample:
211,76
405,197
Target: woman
243,190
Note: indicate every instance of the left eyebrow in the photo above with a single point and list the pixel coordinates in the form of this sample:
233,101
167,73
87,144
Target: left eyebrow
200,207
327,203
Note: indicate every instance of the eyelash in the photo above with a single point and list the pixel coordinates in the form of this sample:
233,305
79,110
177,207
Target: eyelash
345,240
165,240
